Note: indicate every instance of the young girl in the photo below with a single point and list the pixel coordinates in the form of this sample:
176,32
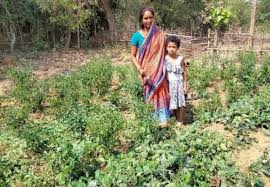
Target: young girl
176,74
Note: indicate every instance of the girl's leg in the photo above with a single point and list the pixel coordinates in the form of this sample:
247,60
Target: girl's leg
178,117
176,113
181,113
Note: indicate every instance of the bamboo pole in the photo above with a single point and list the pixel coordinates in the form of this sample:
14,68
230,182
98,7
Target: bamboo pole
252,24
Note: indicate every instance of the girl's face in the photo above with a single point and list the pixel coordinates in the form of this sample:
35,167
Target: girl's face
148,19
171,48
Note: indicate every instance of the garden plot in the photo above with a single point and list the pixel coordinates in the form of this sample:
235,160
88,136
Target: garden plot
80,128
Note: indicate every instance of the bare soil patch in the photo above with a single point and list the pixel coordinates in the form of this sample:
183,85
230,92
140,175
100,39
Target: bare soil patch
245,157
220,129
4,86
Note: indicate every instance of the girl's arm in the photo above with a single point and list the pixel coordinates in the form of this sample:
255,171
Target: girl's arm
184,75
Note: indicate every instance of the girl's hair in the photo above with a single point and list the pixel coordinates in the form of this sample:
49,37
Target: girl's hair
173,39
143,10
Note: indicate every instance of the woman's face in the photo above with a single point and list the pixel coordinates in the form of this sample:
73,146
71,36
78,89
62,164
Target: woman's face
148,19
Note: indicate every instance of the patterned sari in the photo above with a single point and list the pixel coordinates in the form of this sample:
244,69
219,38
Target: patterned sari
151,57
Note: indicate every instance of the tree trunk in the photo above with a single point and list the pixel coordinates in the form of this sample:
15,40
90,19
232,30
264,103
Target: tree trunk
95,27
216,37
78,38
110,18
12,39
68,38
208,37
252,24
53,37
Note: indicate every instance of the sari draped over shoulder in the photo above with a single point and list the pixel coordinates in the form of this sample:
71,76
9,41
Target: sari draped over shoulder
151,57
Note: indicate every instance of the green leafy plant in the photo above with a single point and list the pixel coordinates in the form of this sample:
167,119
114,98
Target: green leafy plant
229,69
241,79
16,118
104,123
247,71
208,107
28,91
75,117
246,114
129,81
185,160
97,76
235,90
97,133
201,72
264,71
262,165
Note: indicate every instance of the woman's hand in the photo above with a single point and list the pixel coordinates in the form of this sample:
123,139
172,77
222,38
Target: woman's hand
142,72
149,100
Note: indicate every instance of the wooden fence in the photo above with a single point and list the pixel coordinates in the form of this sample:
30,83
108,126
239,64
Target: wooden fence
190,45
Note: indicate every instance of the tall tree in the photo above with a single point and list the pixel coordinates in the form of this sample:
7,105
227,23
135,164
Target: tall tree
14,16
68,14
219,17
183,14
110,17
241,11
263,16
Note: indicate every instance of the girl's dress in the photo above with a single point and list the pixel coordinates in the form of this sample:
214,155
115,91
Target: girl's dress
176,82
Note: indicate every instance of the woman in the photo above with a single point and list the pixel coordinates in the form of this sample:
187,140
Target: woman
148,54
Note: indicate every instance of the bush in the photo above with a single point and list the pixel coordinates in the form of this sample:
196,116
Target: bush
264,71
119,100
16,118
14,161
75,117
74,159
229,70
28,91
200,74
92,80
235,90
241,79
43,137
97,76
104,123
208,107
129,82
67,90
247,73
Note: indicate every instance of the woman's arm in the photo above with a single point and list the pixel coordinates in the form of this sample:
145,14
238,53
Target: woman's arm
133,53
